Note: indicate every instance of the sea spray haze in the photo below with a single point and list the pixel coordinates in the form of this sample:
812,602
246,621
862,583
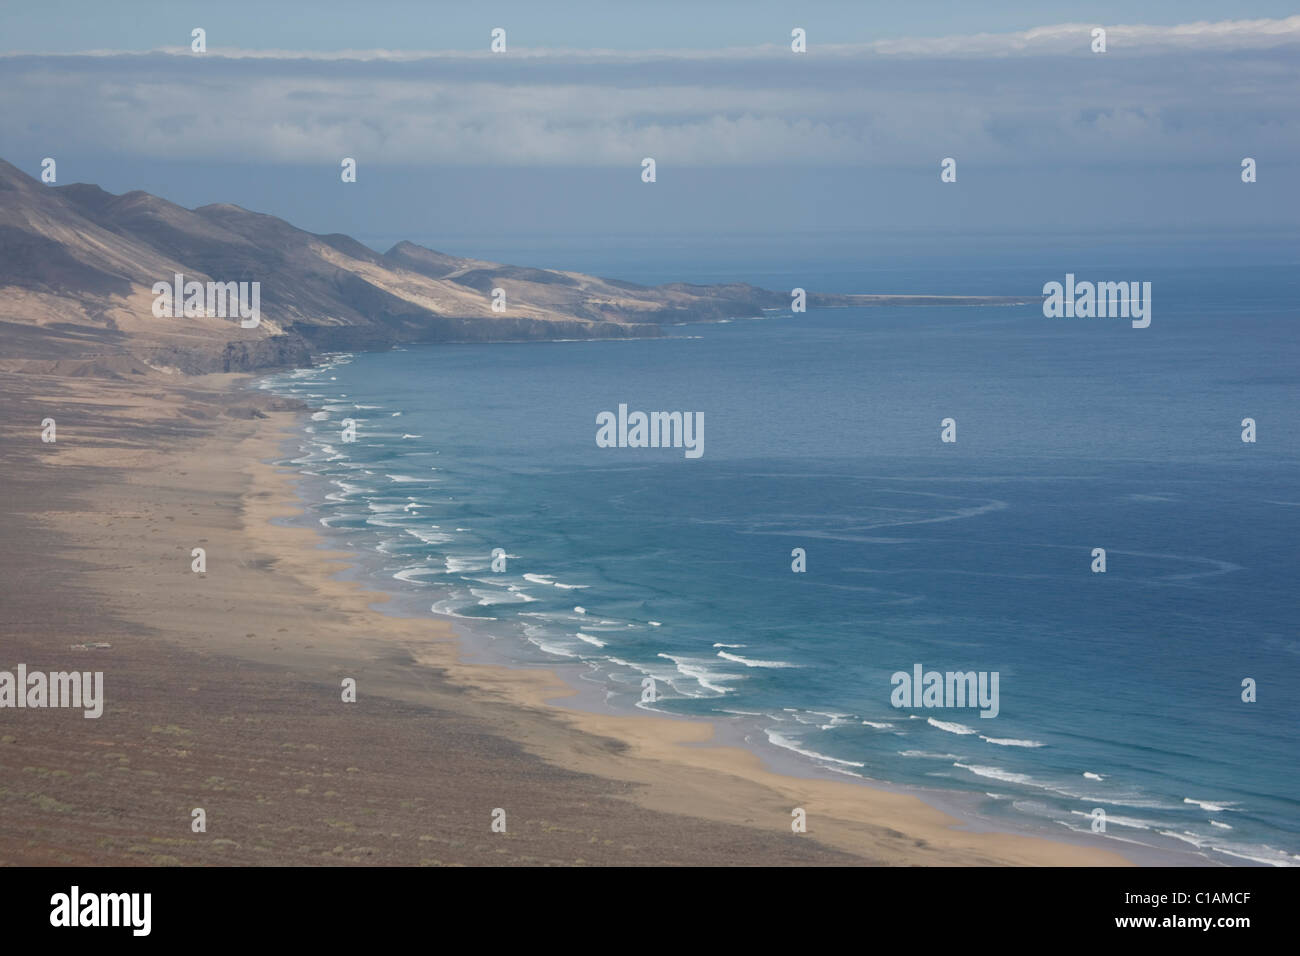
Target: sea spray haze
1119,691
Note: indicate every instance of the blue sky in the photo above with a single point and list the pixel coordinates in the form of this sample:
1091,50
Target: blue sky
452,140
73,25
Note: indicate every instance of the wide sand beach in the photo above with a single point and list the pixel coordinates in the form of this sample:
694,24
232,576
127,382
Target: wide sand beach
223,689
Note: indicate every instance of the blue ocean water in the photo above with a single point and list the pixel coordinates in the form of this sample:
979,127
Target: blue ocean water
1120,691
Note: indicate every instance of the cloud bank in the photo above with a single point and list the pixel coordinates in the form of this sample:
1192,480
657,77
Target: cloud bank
1194,94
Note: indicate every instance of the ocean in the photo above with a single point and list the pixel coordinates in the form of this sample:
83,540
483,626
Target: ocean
1119,692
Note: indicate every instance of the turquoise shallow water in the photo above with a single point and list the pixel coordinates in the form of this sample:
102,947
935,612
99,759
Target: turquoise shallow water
1119,691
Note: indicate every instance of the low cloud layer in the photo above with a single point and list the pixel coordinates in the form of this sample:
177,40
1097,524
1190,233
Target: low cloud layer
1196,94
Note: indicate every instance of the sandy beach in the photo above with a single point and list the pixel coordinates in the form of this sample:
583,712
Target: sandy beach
223,689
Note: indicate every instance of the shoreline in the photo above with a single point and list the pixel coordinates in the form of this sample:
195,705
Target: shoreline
581,699
222,688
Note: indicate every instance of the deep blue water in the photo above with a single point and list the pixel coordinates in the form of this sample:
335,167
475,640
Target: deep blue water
822,432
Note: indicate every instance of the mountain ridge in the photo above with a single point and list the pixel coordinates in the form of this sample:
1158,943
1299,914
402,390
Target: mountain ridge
78,264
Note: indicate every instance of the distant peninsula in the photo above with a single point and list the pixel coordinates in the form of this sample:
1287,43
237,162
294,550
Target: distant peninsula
77,266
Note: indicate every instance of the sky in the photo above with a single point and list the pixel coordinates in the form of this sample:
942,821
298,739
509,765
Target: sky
69,26
748,137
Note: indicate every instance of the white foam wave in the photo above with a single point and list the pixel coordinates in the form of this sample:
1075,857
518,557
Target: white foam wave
488,598
780,740
926,754
1119,821
410,574
459,564
380,522
550,647
447,609
549,581
349,488
753,663
1214,806
701,674
950,727
1012,742
429,537
995,773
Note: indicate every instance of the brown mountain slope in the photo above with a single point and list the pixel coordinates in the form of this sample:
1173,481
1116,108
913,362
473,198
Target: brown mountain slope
78,264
